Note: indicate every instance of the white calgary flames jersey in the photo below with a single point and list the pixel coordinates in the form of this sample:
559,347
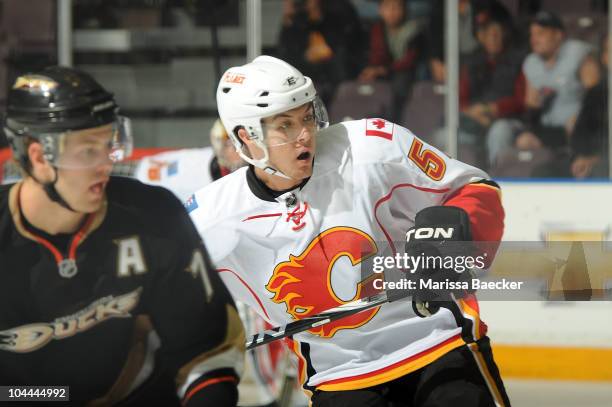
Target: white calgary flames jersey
181,171
290,260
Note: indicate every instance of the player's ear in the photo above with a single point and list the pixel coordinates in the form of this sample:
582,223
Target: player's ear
244,136
36,156
40,167
253,150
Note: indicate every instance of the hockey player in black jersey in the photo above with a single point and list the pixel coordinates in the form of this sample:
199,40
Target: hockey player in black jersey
103,279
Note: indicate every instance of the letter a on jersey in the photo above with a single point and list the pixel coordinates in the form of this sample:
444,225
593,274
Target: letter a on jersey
304,283
129,257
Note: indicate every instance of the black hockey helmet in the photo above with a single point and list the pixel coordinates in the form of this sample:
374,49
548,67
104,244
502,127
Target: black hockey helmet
55,106
58,99
53,102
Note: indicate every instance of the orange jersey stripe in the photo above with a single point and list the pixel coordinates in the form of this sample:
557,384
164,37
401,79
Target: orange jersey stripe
395,370
206,383
469,307
482,202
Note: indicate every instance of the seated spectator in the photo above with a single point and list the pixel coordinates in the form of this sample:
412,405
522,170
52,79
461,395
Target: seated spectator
324,40
469,12
395,47
557,72
492,85
589,139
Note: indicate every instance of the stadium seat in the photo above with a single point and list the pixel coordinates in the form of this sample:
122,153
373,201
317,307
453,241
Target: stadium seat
589,27
354,100
514,163
30,24
561,7
423,113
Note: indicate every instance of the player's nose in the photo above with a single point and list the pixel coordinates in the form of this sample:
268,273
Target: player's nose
105,166
305,136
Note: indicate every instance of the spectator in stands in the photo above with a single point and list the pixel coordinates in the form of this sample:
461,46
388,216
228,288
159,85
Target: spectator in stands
589,140
491,85
469,12
324,40
558,71
396,43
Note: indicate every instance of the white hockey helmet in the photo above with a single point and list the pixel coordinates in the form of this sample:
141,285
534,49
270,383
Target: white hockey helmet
262,88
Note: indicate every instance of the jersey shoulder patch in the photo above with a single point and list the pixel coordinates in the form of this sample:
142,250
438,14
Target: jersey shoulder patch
379,128
376,140
191,203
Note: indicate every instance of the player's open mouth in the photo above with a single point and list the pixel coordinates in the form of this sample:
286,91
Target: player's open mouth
98,187
304,156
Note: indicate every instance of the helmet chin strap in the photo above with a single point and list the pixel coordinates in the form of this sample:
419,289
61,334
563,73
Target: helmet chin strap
53,195
263,163
273,171
49,188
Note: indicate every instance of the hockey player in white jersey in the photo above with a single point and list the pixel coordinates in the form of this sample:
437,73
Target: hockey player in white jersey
187,170
288,234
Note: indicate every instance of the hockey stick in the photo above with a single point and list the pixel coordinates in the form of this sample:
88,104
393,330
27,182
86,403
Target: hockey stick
345,310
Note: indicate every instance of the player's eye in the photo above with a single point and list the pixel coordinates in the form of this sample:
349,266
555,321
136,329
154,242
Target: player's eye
87,152
92,152
285,126
308,119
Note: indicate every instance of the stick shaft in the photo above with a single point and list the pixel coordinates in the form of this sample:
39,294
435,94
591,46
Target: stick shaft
305,324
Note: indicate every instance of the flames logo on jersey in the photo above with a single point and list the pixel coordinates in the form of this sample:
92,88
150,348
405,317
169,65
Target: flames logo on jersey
304,283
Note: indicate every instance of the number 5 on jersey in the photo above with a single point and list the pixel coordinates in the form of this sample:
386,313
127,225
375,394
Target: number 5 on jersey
428,161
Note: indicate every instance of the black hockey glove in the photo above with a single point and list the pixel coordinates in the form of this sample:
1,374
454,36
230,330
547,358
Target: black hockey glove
440,236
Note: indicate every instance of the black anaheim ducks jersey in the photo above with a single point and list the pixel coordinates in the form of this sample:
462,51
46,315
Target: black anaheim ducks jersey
89,315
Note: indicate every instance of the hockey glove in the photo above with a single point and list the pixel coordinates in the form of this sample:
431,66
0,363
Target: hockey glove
430,239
